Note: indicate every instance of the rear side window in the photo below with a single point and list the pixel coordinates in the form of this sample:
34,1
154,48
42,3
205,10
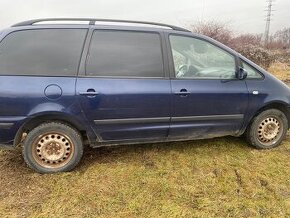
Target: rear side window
125,54
46,52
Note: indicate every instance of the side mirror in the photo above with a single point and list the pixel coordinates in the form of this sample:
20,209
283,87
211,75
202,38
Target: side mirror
242,74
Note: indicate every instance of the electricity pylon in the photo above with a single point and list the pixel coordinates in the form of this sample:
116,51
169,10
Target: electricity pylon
268,20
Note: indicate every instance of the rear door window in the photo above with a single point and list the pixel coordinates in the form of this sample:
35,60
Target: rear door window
48,52
125,54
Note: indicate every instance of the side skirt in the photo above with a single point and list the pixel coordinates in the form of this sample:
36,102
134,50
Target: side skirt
149,141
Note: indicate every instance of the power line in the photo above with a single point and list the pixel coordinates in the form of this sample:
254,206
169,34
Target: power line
269,15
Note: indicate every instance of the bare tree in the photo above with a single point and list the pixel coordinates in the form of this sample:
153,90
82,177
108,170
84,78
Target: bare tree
216,30
283,36
247,39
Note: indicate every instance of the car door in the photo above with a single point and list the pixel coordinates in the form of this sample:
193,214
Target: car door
124,92
207,98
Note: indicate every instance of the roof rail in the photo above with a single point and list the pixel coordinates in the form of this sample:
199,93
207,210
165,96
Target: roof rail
93,21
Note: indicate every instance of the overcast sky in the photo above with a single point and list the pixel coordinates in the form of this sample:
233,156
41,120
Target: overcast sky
242,15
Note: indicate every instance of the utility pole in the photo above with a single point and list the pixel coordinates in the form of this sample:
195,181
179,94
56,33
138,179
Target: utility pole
268,20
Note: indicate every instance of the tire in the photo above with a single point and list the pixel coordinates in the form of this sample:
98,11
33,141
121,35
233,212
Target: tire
268,129
53,147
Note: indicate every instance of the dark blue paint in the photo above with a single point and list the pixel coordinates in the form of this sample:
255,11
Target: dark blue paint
53,91
123,99
208,97
24,98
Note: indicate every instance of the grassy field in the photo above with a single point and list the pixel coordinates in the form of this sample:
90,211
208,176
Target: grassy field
281,71
207,178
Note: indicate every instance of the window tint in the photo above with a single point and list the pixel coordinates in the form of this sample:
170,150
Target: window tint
125,54
252,73
51,52
194,58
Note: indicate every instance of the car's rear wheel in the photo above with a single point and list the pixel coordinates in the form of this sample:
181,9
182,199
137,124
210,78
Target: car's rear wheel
53,147
268,129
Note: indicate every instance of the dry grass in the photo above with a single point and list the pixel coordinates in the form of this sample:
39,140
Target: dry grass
206,178
281,71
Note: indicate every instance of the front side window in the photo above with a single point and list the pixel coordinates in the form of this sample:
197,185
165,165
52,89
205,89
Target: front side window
251,72
198,59
125,54
49,52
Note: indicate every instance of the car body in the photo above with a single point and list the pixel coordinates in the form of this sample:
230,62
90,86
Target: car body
146,100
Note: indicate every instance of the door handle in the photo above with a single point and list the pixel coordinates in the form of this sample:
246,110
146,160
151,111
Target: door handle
89,92
182,93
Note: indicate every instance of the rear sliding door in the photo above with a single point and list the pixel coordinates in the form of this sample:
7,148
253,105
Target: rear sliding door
124,92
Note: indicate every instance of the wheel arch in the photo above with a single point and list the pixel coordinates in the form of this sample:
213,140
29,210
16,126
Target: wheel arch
279,105
38,119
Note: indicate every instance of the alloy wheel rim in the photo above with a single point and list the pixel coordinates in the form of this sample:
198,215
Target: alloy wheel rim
53,150
270,130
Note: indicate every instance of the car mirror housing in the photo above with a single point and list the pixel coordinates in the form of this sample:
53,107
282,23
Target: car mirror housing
242,74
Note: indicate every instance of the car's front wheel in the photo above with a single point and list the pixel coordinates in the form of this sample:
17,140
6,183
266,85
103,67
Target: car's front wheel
268,129
52,147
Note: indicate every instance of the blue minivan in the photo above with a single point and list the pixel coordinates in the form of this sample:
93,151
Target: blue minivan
65,83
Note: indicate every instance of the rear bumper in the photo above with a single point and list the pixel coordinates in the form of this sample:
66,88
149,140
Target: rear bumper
8,130
7,147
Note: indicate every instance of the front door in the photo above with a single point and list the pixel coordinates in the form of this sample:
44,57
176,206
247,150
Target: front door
208,99
124,93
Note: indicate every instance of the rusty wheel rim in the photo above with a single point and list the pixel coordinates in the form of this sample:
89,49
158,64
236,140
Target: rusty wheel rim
270,130
53,150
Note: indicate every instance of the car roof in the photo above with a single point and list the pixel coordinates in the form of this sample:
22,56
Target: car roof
99,22
110,24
